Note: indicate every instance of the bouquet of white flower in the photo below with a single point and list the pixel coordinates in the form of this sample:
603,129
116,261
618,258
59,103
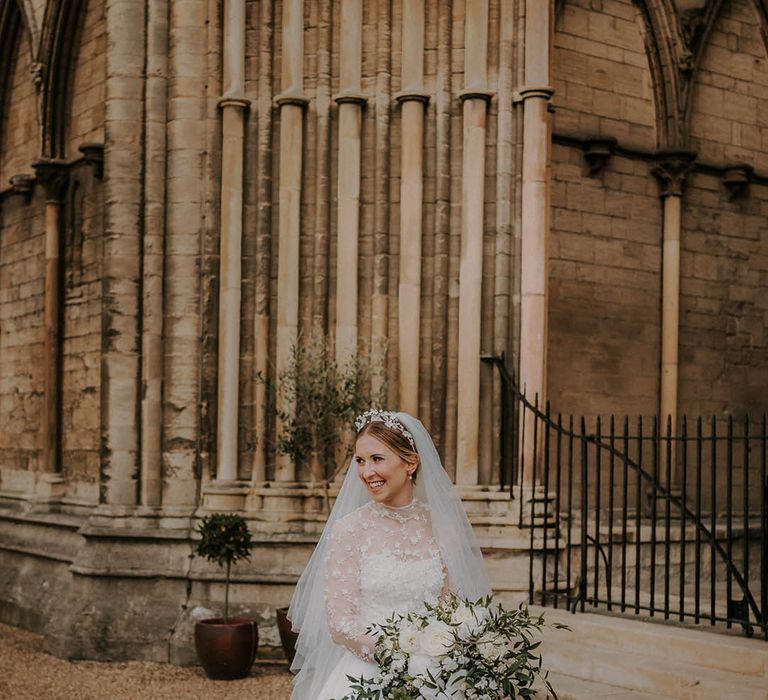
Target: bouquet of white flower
458,649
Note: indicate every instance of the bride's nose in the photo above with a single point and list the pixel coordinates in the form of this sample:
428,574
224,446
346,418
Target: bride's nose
367,469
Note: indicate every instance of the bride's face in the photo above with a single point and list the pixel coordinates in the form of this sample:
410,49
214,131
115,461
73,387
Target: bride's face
384,473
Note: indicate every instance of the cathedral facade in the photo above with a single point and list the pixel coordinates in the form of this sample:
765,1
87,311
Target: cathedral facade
190,190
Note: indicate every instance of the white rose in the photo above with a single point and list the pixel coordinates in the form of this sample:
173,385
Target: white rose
490,647
462,614
409,638
466,621
436,639
481,614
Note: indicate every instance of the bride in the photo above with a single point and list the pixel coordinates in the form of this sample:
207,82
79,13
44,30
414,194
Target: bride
397,537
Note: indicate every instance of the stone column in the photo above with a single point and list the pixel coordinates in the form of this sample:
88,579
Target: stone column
475,99
350,103
263,233
53,176
121,271
535,210
291,103
671,170
186,208
505,302
412,99
155,116
234,107
382,98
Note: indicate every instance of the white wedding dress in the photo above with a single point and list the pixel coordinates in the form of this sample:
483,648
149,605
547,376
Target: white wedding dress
381,560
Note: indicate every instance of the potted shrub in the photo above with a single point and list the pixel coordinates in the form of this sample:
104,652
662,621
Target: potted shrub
226,646
315,433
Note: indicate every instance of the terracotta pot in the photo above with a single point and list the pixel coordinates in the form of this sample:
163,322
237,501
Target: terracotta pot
226,650
287,635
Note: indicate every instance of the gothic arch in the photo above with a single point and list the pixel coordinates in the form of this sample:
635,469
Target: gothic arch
660,32
695,28
14,28
26,7
662,46
58,46
762,10
10,35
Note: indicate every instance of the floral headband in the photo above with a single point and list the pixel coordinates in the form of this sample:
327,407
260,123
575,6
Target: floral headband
388,418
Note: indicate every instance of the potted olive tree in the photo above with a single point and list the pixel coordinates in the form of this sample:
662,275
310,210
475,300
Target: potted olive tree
226,646
325,398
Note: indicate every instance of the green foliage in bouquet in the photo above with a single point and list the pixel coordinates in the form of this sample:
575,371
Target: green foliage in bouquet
224,540
457,649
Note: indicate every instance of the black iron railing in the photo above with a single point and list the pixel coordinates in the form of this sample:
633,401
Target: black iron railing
639,519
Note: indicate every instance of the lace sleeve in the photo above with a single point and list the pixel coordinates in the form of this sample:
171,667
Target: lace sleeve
342,593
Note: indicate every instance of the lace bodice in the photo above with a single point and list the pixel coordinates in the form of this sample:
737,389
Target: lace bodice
381,560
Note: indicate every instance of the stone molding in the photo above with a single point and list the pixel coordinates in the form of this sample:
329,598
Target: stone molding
93,155
23,184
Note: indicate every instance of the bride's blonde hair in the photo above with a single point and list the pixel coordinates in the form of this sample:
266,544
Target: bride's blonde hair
393,439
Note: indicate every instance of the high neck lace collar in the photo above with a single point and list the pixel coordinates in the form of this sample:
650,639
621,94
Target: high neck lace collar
399,513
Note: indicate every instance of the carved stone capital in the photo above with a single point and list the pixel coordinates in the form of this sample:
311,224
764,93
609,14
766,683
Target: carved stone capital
93,155
412,96
672,167
350,97
53,175
476,94
597,152
525,92
23,184
291,98
736,179
242,103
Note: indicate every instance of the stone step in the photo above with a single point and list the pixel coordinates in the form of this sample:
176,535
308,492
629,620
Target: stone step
728,653
572,688
651,674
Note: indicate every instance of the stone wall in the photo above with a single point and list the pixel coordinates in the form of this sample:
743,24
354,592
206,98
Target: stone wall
86,119
21,357
81,342
724,313
605,254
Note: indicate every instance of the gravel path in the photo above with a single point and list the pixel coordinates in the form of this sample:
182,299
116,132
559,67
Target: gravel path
28,673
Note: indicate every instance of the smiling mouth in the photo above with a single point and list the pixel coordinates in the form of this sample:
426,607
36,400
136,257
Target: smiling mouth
375,484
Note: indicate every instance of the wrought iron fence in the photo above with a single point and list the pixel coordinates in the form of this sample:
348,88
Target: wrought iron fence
638,518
